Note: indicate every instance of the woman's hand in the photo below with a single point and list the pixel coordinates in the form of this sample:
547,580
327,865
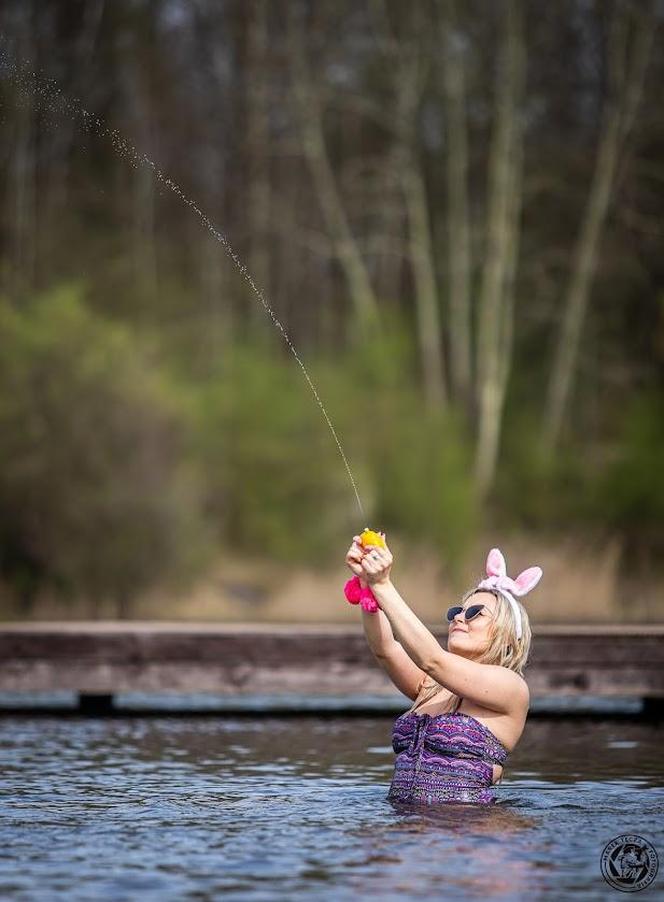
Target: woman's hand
354,557
376,564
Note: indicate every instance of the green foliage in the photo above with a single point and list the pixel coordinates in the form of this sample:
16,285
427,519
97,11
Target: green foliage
276,486
579,485
120,468
104,457
94,497
632,490
533,489
423,480
417,460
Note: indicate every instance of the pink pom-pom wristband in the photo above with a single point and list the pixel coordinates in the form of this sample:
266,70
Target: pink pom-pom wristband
357,594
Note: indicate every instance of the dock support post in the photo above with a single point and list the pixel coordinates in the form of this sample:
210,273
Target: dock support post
653,707
95,703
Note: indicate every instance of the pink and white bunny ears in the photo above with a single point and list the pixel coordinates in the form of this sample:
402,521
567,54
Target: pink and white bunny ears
497,579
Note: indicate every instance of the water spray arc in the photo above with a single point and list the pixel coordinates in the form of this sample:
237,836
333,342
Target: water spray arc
123,146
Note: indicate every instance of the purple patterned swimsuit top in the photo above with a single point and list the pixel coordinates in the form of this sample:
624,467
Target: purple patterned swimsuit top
444,758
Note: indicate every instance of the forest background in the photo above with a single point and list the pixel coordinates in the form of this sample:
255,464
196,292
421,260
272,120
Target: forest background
455,211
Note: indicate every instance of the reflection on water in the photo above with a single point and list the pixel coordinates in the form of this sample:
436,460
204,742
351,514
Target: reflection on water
288,808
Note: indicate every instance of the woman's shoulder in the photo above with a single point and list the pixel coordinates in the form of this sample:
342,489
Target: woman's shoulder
522,698
518,680
519,694
523,684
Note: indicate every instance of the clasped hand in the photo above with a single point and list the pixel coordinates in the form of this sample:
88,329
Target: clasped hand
371,563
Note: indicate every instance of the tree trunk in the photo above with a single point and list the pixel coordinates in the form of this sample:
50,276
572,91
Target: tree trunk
83,30
493,345
506,359
143,243
426,290
219,320
458,215
22,206
307,105
618,120
404,53
258,143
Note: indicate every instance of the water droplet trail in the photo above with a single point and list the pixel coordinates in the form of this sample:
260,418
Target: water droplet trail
48,91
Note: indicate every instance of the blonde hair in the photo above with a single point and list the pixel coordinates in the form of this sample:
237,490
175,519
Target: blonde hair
503,649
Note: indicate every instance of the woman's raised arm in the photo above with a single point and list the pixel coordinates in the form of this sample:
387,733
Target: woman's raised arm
378,631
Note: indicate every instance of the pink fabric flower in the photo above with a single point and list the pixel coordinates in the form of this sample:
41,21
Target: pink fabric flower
357,594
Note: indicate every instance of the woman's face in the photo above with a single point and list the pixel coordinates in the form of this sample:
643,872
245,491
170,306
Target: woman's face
471,638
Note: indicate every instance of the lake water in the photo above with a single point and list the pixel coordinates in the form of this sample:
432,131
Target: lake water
295,808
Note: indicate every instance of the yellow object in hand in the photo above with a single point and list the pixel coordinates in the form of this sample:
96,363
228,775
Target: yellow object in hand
369,537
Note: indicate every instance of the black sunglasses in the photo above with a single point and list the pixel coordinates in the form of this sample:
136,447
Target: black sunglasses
471,611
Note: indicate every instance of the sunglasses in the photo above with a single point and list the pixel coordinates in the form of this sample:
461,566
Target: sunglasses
472,611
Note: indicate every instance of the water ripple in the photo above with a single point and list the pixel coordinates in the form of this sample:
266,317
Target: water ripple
198,808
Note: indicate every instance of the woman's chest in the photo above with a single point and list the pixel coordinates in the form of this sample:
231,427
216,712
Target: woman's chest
503,727
449,741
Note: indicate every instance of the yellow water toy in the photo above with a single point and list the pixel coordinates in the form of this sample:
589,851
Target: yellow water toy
369,537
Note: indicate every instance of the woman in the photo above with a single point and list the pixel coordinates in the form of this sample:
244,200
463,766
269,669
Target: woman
472,698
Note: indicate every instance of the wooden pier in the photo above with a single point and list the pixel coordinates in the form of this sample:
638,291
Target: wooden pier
98,659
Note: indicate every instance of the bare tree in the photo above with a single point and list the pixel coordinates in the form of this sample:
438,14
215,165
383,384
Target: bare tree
458,213
408,63
494,337
258,145
135,76
22,193
308,105
83,28
627,68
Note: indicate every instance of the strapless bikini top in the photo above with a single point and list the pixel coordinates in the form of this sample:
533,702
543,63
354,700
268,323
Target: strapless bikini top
451,734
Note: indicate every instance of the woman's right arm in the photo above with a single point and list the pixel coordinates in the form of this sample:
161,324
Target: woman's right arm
389,653
378,630
377,627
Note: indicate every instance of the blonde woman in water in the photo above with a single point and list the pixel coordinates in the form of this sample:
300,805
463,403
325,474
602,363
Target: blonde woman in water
470,702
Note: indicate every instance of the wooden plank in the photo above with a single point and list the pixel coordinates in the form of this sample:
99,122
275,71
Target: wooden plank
234,659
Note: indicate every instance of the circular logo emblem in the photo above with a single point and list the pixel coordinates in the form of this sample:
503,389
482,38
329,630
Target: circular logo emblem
629,863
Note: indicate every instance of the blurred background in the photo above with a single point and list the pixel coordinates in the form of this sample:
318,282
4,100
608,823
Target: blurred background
455,211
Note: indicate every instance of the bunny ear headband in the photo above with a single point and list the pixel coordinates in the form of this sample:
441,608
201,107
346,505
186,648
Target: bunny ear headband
498,580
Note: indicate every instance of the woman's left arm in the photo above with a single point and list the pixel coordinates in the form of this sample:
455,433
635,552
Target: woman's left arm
488,685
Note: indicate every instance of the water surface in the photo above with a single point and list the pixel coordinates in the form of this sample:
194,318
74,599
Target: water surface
265,808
